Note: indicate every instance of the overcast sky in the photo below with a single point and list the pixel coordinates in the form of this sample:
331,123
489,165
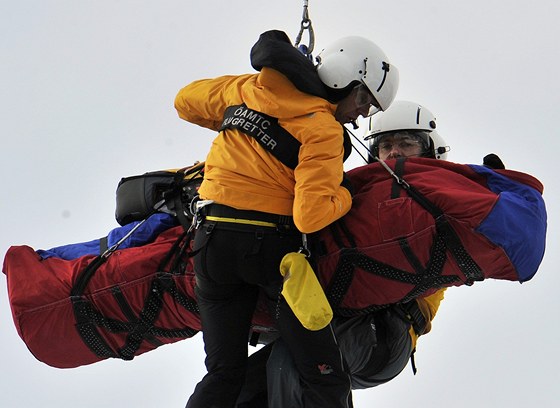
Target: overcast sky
87,90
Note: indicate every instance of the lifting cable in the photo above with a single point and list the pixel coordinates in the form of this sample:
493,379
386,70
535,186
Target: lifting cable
397,178
305,25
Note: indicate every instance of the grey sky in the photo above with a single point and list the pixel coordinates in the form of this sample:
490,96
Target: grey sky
87,98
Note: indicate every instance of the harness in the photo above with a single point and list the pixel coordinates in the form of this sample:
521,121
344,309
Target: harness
223,213
139,326
282,145
425,277
137,198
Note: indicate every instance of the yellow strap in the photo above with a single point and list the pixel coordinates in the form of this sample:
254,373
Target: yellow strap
241,221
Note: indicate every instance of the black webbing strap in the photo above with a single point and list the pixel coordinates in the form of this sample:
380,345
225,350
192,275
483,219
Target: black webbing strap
180,211
410,312
103,244
266,131
410,255
140,327
424,278
85,276
185,191
340,232
129,313
399,170
468,266
145,320
86,326
350,258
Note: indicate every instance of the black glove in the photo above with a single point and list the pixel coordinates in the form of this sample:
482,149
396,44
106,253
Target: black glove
493,161
347,184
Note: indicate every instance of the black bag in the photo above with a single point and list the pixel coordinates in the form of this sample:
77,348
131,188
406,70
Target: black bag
170,191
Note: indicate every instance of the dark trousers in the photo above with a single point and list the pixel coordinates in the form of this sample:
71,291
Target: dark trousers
376,347
234,263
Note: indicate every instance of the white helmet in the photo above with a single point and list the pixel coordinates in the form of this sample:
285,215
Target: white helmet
407,116
356,59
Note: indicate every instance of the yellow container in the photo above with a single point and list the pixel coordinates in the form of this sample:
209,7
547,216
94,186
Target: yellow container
304,293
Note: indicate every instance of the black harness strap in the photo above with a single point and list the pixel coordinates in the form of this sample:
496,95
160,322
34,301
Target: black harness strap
87,328
178,203
340,232
424,278
411,313
399,170
85,276
410,255
452,241
103,244
342,278
464,261
139,327
266,131
173,333
129,313
350,258
184,300
150,312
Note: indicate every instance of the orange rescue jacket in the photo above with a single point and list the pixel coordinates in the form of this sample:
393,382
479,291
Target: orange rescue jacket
242,174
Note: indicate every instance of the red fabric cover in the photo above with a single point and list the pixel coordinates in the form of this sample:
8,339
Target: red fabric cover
43,314
376,221
39,289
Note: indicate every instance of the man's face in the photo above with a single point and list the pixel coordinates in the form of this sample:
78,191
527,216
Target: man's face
400,144
359,102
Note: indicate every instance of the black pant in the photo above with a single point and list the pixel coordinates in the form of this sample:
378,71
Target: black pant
235,261
376,348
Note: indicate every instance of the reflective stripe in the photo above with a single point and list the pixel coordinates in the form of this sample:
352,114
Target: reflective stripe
241,221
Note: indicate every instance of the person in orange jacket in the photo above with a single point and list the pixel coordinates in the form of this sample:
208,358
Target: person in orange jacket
376,346
274,171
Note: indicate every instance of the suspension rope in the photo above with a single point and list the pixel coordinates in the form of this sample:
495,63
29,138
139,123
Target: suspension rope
363,145
398,179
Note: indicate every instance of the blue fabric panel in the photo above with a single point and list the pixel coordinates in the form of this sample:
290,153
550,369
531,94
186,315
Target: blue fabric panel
147,232
517,223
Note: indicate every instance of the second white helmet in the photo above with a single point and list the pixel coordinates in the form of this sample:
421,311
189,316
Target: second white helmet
352,59
407,116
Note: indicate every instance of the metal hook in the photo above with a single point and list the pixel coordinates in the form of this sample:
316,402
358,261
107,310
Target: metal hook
304,249
306,25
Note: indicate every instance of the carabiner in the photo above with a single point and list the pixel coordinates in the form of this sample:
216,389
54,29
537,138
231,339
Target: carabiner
304,248
305,25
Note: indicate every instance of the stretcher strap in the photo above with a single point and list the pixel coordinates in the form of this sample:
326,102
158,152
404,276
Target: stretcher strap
140,327
424,278
350,258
